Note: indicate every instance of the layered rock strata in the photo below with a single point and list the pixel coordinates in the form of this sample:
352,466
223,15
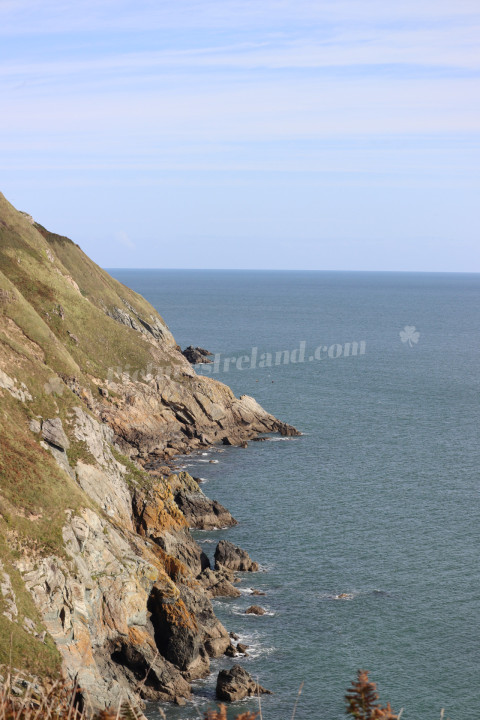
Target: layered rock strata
96,402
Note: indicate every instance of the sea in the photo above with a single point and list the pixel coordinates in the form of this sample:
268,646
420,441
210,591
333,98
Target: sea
367,526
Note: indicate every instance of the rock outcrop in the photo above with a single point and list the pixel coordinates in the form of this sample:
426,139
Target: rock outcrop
228,555
255,610
197,355
200,512
219,583
236,684
98,563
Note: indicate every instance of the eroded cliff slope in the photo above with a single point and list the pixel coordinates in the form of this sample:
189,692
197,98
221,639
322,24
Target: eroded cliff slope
99,574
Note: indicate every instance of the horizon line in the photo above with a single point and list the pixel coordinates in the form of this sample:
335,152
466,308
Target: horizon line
305,270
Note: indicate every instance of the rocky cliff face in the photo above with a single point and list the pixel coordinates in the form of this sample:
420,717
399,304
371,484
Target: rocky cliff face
99,574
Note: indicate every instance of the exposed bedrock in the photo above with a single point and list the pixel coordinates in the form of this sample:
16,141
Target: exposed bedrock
97,401
200,512
197,355
228,555
219,583
236,684
166,416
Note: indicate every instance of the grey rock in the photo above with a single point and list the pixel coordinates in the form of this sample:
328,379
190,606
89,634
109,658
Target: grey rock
94,606
200,512
230,556
35,426
197,355
54,434
17,390
60,457
236,684
7,594
218,583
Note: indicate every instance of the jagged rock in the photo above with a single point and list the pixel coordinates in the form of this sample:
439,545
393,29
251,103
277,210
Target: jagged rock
231,651
242,648
186,629
255,610
122,595
196,355
218,583
158,518
155,328
236,684
19,391
258,592
200,512
98,614
8,595
230,556
54,434
109,491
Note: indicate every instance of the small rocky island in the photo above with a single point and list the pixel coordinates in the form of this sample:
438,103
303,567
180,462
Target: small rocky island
101,577
197,355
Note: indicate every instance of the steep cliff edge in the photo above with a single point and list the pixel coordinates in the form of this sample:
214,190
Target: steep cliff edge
98,571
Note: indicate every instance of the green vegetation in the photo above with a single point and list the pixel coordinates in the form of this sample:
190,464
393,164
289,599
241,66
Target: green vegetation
135,477
35,493
79,451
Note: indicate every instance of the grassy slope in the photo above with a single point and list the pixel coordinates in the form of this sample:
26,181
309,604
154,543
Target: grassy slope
36,349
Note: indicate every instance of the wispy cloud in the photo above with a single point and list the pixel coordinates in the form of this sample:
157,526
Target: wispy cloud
360,94
58,16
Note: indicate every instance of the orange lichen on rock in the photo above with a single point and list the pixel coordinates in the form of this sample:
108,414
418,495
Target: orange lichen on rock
177,614
157,511
174,568
137,636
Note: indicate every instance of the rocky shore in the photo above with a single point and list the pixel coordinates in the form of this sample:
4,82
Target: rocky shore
100,571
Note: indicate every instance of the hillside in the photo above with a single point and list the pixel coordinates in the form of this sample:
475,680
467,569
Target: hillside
99,575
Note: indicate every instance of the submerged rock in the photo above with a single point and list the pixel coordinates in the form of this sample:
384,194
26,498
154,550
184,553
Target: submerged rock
230,556
236,684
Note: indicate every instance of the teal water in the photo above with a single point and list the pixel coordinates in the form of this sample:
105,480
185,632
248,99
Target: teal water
378,499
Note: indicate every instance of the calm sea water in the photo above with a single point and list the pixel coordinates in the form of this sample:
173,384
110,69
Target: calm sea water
379,499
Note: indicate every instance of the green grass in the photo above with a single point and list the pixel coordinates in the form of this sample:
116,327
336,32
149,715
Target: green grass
79,451
32,485
135,477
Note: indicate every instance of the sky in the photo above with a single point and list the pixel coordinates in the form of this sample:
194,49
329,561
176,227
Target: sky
269,134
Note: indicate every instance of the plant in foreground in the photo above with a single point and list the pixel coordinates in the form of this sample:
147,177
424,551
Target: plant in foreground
221,714
362,701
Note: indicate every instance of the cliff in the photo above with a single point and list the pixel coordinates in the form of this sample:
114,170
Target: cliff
99,575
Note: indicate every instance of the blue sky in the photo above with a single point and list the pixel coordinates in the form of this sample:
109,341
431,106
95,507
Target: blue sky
337,135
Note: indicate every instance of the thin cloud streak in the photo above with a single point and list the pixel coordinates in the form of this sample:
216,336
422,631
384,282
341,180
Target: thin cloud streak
338,119
57,16
433,49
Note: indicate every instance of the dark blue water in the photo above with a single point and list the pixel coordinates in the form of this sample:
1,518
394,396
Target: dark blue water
379,499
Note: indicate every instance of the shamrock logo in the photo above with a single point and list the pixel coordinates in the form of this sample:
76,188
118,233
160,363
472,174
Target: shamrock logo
409,334
54,386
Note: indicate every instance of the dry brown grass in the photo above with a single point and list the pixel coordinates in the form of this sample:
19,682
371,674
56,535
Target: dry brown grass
22,699
362,701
